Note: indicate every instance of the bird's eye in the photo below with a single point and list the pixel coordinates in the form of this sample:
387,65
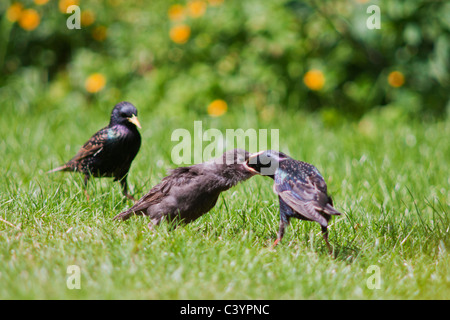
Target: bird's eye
123,114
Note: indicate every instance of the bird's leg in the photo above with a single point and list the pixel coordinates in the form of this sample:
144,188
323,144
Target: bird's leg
124,184
86,178
325,237
154,222
283,224
285,213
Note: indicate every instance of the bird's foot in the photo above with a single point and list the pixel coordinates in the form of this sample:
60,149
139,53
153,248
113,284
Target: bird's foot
86,194
274,244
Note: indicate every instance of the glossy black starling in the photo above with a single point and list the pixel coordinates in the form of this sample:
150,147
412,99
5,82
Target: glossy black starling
110,151
189,192
301,190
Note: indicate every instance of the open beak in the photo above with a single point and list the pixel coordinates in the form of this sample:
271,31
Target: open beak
252,156
134,120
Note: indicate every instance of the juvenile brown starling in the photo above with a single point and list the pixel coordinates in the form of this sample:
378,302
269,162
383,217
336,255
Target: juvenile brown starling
301,190
110,151
189,192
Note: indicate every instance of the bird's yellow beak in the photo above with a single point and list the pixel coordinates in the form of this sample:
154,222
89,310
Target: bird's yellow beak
134,120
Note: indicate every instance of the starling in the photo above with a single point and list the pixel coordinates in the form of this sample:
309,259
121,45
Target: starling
189,192
301,190
110,151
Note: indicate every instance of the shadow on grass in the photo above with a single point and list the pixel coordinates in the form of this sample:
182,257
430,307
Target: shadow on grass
344,253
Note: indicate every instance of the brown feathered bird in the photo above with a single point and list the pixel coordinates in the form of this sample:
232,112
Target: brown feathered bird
300,187
110,151
189,192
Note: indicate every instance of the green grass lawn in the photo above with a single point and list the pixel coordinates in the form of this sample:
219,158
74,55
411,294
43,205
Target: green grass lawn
389,176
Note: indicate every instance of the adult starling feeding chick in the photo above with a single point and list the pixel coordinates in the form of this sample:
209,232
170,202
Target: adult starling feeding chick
301,190
189,192
110,151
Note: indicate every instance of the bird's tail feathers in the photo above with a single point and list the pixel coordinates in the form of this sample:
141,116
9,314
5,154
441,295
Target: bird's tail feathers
61,168
331,210
127,214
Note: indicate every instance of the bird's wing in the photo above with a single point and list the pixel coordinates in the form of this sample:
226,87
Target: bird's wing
179,176
94,145
307,209
302,187
182,176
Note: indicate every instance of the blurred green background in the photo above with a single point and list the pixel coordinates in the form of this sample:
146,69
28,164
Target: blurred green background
221,56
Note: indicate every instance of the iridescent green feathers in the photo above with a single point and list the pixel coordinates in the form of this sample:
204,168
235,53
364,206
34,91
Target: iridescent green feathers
111,150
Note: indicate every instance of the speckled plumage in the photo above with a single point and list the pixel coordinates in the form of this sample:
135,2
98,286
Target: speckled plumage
111,150
189,192
300,187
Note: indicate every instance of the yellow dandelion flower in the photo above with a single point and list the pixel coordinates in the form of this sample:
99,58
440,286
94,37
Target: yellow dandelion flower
196,8
99,33
115,3
180,33
95,82
64,4
367,127
14,11
314,79
217,108
87,18
40,2
29,19
215,3
396,79
176,12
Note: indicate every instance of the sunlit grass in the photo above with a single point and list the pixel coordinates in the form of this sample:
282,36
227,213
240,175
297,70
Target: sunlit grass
391,183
